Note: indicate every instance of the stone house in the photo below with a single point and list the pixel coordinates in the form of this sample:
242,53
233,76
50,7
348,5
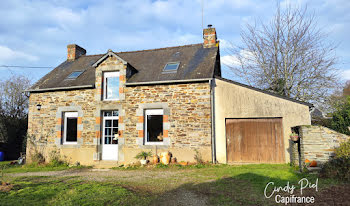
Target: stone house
96,109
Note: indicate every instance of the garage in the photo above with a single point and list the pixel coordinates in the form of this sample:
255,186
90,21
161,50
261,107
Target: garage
258,140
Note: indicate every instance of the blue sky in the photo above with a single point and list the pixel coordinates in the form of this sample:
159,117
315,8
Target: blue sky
36,33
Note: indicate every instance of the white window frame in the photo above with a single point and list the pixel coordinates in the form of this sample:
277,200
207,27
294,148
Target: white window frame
66,115
105,76
153,112
104,118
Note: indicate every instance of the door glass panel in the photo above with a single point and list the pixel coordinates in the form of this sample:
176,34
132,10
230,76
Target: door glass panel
115,131
115,123
110,127
107,140
107,114
107,131
108,123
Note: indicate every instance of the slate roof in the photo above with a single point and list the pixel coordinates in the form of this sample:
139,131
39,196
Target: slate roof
196,62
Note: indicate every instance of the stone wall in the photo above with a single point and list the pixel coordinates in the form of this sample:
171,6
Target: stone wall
319,143
186,122
45,125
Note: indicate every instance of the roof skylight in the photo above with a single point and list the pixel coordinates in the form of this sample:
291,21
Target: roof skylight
74,75
171,67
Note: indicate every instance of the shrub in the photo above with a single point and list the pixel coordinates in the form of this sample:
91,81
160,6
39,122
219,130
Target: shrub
38,158
198,157
143,155
56,160
161,165
341,118
344,150
339,167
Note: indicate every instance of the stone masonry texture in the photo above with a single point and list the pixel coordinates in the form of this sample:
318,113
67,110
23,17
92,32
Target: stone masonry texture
187,120
319,143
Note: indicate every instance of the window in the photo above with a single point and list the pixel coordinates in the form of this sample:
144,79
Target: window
111,86
74,75
154,126
70,128
110,127
171,67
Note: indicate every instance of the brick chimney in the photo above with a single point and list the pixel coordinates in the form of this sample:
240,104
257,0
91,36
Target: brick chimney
210,38
74,51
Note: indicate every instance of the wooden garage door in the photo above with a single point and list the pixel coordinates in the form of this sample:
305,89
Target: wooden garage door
254,140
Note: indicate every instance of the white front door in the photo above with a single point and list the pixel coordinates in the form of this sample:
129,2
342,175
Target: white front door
110,135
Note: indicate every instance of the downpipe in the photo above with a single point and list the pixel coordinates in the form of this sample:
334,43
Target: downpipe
212,104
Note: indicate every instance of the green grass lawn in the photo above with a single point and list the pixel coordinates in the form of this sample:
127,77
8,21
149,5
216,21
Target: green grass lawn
220,184
67,191
7,168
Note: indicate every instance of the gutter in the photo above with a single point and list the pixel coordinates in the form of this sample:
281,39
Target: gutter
167,82
212,101
60,88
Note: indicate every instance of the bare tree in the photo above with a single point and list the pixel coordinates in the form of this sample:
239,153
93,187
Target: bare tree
288,55
13,99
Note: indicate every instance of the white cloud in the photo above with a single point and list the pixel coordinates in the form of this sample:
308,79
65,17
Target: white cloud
346,74
7,54
37,28
229,60
232,60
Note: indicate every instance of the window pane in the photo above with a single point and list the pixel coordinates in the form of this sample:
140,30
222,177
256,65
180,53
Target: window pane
74,75
108,123
115,113
154,128
108,140
108,114
115,131
115,123
108,131
112,88
71,135
171,67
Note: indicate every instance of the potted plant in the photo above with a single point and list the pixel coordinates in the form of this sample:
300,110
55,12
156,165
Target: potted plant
294,137
142,156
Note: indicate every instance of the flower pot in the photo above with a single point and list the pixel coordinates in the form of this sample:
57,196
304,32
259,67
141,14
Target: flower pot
173,160
165,157
155,159
183,163
143,162
313,163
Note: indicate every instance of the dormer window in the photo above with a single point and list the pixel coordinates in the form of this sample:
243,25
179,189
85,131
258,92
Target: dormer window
111,86
74,75
171,67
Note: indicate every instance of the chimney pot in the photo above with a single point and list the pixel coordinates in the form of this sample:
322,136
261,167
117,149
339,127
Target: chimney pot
210,38
74,51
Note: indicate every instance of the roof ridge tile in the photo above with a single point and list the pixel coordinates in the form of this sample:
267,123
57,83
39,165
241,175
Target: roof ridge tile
145,50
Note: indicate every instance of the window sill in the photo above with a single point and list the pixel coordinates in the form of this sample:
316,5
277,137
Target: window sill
154,143
152,146
70,146
110,100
